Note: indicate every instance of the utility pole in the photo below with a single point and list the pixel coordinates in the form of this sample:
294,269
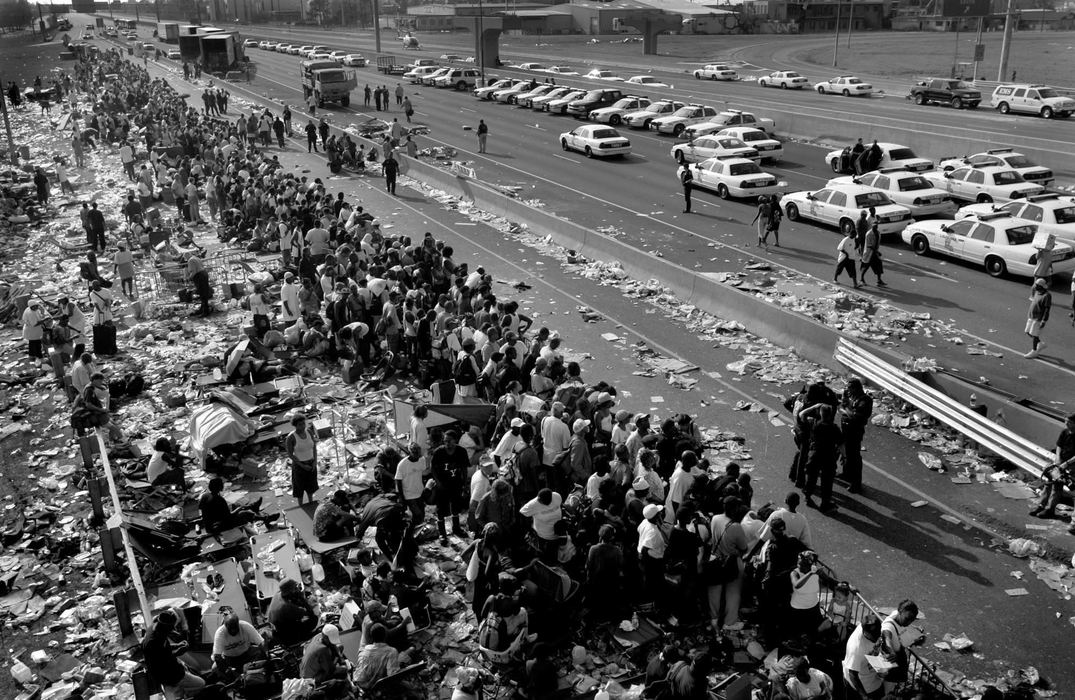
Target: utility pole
955,56
850,21
481,40
7,127
1006,44
377,26
836,42
978,48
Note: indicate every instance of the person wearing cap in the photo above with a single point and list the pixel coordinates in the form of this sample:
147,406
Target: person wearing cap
376,660
621,428
235,644
646,469
323,659
510,442
580,463
161,648
603,418
33,328
292,617
290,306
333,519
544,510
1041,303
652,543
123,264
301,448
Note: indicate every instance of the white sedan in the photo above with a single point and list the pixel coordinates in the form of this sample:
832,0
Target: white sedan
531,66
715,146
354,59
641,120
485,92
559,104
846,85
1052,213
561,70
599,74
595,140
508,95
784,79
614,114
683,117
1031,171
904,187
732,177
766,146
996,241
647,81
987,184
840,206
540,102
527,98
887,155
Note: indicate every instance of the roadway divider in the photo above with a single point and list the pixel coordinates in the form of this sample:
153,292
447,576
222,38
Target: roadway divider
810,339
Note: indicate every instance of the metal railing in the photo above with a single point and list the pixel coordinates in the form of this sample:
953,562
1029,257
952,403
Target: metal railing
988,434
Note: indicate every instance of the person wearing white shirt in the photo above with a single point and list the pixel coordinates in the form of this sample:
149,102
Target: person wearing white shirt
318,240
101,299
797,525
289,298
509,442
858,673
622,428
418,433
555,435
545,511
81,372
33,329
410,482
652,543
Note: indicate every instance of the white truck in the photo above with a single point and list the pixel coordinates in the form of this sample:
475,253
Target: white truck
327,82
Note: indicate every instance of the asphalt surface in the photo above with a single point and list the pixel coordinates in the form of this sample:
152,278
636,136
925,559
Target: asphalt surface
884,545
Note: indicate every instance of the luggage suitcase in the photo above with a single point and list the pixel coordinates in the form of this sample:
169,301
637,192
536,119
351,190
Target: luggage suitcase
104,340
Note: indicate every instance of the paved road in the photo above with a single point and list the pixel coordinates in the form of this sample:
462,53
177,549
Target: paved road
886,546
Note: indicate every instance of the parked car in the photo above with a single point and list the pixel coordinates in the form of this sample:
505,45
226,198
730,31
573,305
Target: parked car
729,176
683,117
561,70
415,75
1031,171
458,78
595,141
906,188
846,85
840,206
646,81
613,114
1052,213
893,155
767,147
527,98
946,91
354,59
988,183
731,118
716,71
559,105
642,118
593,99
714,146
784,79
599,74
485,92
541,102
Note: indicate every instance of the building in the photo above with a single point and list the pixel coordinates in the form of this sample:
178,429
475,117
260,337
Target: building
817,16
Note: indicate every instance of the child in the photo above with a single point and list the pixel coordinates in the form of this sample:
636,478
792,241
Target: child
838,612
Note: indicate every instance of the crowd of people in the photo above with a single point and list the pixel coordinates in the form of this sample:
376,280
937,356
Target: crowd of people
563,475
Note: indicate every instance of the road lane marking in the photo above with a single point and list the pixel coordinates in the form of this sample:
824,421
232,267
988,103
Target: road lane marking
569,160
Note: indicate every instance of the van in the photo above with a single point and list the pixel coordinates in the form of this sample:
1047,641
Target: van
459,78
1032,99
594,99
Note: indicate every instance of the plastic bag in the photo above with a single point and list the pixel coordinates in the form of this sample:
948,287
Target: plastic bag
297,688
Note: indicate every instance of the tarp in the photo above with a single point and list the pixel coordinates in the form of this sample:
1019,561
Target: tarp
217,424
477,413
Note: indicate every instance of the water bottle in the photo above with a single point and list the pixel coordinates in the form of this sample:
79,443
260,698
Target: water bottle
634,620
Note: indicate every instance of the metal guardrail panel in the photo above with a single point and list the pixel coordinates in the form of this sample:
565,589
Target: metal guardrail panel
1012,447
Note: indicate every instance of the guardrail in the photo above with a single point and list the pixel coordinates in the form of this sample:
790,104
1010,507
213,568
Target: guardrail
993,436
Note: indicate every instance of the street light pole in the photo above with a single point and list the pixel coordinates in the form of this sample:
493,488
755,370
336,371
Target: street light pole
481,40
1006,44
377,26
836,41
850,22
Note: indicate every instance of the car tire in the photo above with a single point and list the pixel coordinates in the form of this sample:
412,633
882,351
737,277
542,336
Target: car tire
783,86
1046,112
1003,108
563,144
820,90
995,266
615,120
792,212
846,93
679,158
678,129
919,99
919,244
589,152
957,103
835,165
722,191
983,198
645,124
697,75
461,85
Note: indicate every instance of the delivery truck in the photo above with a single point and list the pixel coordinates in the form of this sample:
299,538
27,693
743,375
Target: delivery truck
168,32
327,82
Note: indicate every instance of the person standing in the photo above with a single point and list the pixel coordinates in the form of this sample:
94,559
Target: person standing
126,156
323,130
311,104
825,440
762,218
399,94
33,329
449,465
123,263
391,170
686,178
1058,475
856,407
287,119
845,259
41,181
366,95
409,482
301,446
871,255
311,137
61,175
199,277
1041,302
377,98
78,150
483,135
775,215
290,308
408,109
279,128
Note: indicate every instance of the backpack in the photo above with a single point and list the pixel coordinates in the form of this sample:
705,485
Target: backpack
463,372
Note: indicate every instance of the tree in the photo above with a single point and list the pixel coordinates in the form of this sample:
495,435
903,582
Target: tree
15,14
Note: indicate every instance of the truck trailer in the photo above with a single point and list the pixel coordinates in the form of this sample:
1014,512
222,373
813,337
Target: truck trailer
168,32
221,52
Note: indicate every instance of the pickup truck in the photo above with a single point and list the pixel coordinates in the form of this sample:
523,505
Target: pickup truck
946,91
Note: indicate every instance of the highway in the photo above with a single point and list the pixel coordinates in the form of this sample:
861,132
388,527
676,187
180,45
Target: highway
882,541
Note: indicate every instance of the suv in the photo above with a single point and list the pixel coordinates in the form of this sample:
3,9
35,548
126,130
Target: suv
946,91
459,78
594,99
1032,99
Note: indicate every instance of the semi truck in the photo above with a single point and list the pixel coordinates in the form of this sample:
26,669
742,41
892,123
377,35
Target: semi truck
168,32
221,52
327,82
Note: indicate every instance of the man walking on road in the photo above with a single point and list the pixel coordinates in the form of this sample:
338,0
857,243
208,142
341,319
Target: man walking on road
311,137
483,134
391,170
1041,302
845,259
871,255
762,218
687,179
408,109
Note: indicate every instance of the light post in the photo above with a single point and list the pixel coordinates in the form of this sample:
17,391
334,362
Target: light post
7,127
481,40
836,41
850,21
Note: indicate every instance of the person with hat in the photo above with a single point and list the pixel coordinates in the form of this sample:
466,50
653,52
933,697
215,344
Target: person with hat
510,442
622,428
161,650
301,448
544,510
323,658
1041,303
579,463
646,469
290,305
602,417
236,643
652,544
333,519
33,328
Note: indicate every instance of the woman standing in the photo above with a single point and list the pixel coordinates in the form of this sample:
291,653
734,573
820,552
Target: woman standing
301,446
487,572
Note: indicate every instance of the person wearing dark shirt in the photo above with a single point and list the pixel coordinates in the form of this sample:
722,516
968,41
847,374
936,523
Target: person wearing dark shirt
161,652
856,407
323,659
1060,474
290,614
217,514
604,570
658,667
780,556
333,519
389,516
542,678
825,441
449,465
667,446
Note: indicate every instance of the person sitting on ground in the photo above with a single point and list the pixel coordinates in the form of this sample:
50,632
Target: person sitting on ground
290,614
333,519
323,659
218,515
395,627
376,660
166,465
235,644
161,652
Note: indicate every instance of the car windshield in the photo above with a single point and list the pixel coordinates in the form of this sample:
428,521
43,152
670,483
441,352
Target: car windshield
1007,177
901,154
744,169
623,104
1047,93
592,95
871,199
754,136
1020,162
605,134
684,112
332,76
910,184
1066,215
1021,235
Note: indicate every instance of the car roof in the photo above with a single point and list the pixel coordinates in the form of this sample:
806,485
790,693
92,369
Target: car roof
731,160
851,188
744,129
990,168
